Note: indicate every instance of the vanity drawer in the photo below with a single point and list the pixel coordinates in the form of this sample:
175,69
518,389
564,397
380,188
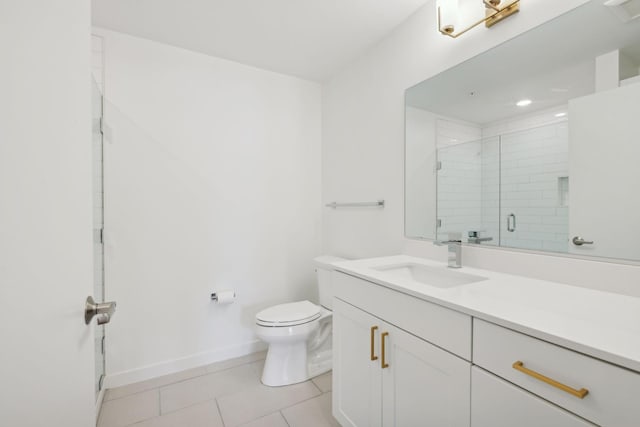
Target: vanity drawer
441,326
612,397
497,403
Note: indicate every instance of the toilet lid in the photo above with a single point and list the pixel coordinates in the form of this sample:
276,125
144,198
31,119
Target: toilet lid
294,313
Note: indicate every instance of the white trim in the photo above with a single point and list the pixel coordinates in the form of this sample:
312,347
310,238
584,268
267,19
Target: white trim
176,365
99,401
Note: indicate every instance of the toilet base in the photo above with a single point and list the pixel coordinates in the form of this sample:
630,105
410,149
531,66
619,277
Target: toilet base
320,363
285,364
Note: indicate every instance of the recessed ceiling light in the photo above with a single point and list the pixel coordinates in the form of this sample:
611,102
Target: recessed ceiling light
523,102
561,114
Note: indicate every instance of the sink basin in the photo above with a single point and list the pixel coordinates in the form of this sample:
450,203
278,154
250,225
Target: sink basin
440,277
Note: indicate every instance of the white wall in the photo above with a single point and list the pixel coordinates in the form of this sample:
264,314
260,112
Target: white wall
46,356
212,181
363,127
420,134
460,189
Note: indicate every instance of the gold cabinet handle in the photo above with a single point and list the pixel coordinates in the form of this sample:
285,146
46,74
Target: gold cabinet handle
373,343
519,366
383,362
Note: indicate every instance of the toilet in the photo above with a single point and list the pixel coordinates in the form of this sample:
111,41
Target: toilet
299,333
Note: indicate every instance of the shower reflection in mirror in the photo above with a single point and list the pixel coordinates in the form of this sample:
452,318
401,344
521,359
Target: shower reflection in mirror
538,154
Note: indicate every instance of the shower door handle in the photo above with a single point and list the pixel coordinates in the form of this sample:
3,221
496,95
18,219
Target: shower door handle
103,310
511,223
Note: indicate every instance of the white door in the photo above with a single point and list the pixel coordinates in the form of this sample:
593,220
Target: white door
497,403
423,385
603,173
46,350
357,387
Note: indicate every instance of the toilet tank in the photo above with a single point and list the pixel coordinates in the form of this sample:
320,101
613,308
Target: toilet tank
324,275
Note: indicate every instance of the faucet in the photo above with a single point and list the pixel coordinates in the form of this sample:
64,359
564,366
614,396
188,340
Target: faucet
454,245
474,238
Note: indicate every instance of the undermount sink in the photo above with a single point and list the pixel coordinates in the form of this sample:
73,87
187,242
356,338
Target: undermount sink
440,277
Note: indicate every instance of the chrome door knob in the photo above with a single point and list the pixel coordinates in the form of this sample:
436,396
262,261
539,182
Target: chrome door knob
103,310
579,241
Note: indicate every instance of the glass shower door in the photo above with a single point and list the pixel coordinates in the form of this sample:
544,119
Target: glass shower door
98,249
534,188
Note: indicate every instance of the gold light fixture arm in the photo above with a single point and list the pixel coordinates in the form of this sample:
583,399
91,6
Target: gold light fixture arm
494,15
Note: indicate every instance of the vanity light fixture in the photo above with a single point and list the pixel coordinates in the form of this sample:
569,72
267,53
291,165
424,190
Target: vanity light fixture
523,102
449,13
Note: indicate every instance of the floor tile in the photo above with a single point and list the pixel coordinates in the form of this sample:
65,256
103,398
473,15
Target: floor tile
250,404
201,415
206,387
131,409
273,420
127,390
323,382
226,364
258,366
314,412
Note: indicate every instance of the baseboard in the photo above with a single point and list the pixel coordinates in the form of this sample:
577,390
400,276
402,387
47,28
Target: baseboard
119,379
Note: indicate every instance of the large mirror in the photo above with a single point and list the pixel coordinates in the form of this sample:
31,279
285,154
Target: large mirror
534,144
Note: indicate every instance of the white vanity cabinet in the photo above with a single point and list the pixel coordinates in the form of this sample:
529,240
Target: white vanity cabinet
403,361
386,376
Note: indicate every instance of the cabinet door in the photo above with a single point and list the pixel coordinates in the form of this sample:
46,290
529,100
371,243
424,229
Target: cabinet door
423,385
356,378
497,403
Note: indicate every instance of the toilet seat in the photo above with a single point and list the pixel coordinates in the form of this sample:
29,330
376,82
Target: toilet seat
291,314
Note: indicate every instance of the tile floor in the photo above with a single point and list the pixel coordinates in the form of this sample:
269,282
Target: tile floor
224,394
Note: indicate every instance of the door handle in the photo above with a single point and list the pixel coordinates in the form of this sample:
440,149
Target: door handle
103,310
511,223
579,241
373,343
383,361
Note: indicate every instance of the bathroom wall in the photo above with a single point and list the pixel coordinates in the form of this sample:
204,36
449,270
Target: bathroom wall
212,181
363,147
421,189
460,189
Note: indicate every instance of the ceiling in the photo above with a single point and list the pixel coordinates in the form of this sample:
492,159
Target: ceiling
311,39
550,65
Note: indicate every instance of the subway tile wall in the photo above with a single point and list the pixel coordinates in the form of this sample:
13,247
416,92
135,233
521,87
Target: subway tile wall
535,167
517,166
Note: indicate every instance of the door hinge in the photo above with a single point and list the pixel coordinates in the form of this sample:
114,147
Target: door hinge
102,344
101,125
438,223
438,165
98,235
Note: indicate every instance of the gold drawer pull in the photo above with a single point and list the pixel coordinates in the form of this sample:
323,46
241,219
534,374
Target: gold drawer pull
373,337
519,366
384,363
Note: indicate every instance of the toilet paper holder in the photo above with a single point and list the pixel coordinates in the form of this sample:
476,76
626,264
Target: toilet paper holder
214,296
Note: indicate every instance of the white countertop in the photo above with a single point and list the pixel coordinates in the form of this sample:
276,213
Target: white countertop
600,324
